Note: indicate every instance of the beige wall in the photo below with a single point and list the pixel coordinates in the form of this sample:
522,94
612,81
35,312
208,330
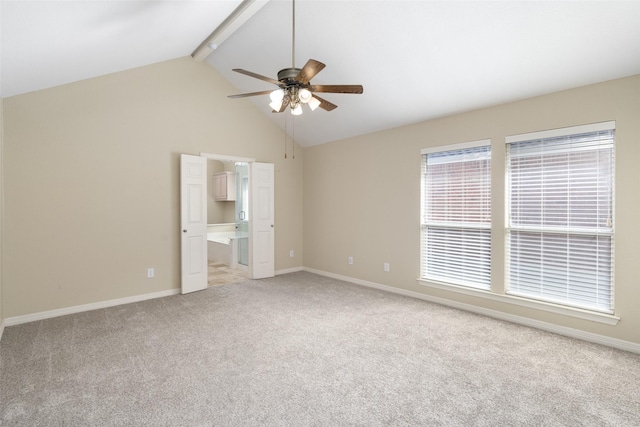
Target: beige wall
92,181
362,196
91,187
1,209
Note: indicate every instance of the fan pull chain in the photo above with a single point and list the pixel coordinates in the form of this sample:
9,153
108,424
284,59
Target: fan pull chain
285,136
293,137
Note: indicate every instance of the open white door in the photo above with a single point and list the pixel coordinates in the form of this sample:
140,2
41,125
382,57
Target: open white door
193,221
262,220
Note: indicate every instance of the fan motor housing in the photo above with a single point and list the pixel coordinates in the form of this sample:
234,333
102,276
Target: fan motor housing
288,75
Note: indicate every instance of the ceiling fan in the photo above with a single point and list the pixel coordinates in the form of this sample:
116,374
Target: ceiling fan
294,84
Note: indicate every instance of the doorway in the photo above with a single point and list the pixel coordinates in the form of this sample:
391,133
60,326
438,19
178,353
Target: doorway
227,221
194,225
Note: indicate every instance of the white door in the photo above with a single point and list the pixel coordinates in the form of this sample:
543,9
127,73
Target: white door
193,220
262,220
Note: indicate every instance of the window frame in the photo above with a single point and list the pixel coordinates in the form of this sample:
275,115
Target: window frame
424,224
569,231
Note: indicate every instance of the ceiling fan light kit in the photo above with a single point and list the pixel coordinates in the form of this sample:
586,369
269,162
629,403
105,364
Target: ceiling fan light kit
313,103
276,99
294,85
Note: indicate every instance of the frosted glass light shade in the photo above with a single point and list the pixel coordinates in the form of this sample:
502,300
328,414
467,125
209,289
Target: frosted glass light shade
277,95
304,95
313,103
297,111
276,105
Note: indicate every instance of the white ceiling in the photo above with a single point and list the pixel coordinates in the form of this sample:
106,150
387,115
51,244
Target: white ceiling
417,60
48,43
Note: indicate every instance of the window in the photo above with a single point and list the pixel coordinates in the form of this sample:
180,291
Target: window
456,214
560,188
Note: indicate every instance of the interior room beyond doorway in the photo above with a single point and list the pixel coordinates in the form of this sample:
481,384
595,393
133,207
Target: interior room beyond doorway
227,221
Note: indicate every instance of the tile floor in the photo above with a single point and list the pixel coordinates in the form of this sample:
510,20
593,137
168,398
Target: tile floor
221,274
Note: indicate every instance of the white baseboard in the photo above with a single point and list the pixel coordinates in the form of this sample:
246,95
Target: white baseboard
561,330
525,321
17,320
289,270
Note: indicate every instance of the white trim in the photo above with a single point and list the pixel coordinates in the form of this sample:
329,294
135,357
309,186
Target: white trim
607,319
460,146
552,133
545,326
230,25
224,158
17,320
288,270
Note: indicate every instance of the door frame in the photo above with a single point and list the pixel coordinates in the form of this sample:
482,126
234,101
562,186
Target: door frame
226,158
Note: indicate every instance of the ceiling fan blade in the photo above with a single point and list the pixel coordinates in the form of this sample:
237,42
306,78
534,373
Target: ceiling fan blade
324,104
337,88
244,95
257,76
310,69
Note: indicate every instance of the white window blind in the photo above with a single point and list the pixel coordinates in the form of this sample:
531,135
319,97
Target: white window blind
560,192
456,215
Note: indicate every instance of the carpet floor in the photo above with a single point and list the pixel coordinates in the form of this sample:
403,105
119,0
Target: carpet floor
305,350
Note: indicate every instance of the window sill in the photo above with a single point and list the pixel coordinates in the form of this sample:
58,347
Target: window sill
607,319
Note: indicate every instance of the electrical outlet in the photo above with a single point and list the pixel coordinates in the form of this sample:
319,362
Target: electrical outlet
350,260
291,253
386,266
150,272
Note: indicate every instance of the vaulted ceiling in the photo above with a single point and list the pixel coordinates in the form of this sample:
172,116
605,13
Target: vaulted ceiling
417,60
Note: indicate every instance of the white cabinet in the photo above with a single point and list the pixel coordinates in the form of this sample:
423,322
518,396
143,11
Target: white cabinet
224,186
